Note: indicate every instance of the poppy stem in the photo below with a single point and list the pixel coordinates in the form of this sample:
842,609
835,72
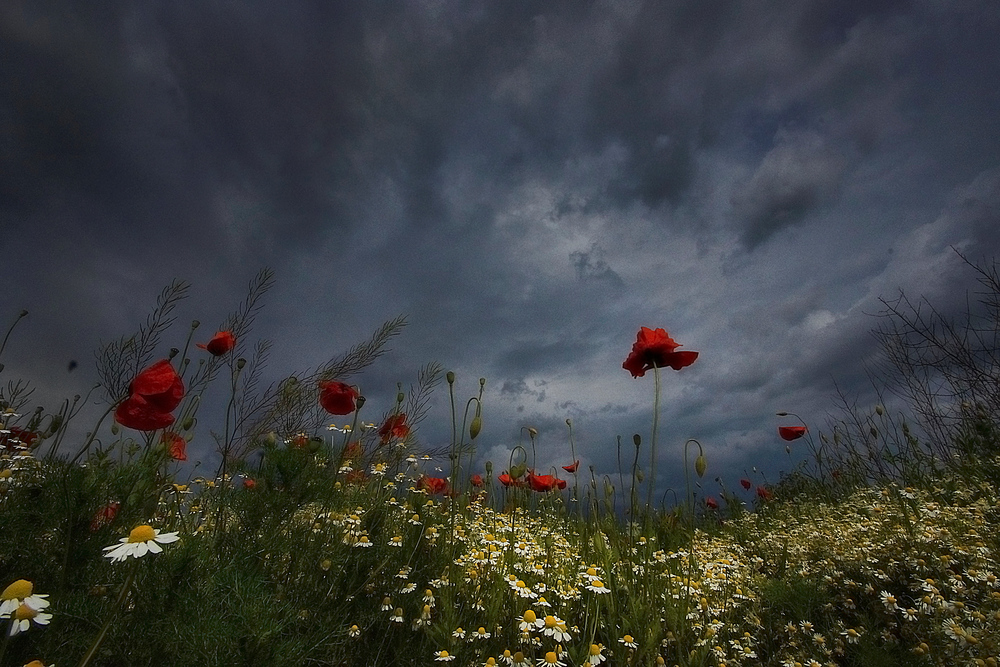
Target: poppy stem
652,442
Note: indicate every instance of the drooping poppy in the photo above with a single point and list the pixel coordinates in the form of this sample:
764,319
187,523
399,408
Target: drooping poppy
711,503
160,386
394,427
764,494
746,483
573,467
790,433
221,343
136,412
299,441
249,484
656,347
476,480
506,479
338,398
176,445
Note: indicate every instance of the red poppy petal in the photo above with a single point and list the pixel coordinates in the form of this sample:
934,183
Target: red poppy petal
134,412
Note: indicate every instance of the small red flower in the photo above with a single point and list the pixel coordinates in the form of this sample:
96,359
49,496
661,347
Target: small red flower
18,438
176,445
506,479
356,477
353,450
764,494
544,483
394,427
573,467
476,481
433,485
249,484
711,503
135,412
299,441
791,432
746,483
104,516
656,347
221,343
160,386
337,398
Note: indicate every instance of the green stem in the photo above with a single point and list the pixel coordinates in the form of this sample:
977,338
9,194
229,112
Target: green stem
107,624
652,444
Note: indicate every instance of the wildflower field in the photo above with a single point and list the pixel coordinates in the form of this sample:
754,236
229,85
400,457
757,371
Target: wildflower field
326,536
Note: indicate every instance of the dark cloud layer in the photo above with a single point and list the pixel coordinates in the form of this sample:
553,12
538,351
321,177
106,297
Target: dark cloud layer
529,182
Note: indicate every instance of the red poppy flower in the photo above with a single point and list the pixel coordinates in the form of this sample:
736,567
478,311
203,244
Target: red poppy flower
136,412
746,483
791,432
356,477
573,467
655,347
764,494
249,484
433,485
353,449
394,427
711,503
176,445
476,481
104,516
18,438
337,398
221,343
505,479
160,386
299,441
544,483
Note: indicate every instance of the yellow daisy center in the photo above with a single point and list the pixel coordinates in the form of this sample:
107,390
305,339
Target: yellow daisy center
18,590
141,534
550,622
592,572
551,658
519,657
597,583
628,639
443,654
595,649
24,612
529,616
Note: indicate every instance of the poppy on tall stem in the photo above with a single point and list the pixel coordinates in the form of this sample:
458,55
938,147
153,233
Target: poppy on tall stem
221,343
790,433
653,349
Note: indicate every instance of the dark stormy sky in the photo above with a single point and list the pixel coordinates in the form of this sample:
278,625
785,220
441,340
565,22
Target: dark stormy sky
529,182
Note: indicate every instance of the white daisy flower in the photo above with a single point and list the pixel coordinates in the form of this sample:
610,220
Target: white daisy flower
141,541
18,593
22,617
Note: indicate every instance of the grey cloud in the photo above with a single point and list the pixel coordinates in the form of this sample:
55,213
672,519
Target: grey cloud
799,174
591,267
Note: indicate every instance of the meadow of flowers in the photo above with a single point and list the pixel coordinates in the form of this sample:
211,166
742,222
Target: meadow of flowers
327,536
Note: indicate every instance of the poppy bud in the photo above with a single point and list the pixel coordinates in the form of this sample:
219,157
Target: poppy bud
240,363
482,382
400,397
189,423
879,410
609,489
640,475
450,376
314,444
782,414
700,464
475,427
518,470
873,431
195,324
114,428
173,353
271,439
489,468
788,449
532,431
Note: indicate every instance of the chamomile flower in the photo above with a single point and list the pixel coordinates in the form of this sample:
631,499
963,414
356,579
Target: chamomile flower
443,656
459,633
19,593
628,641
23,616
479,634
529,622
38,663
397,615
551,658
597,586
596,654
354,631
141,541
